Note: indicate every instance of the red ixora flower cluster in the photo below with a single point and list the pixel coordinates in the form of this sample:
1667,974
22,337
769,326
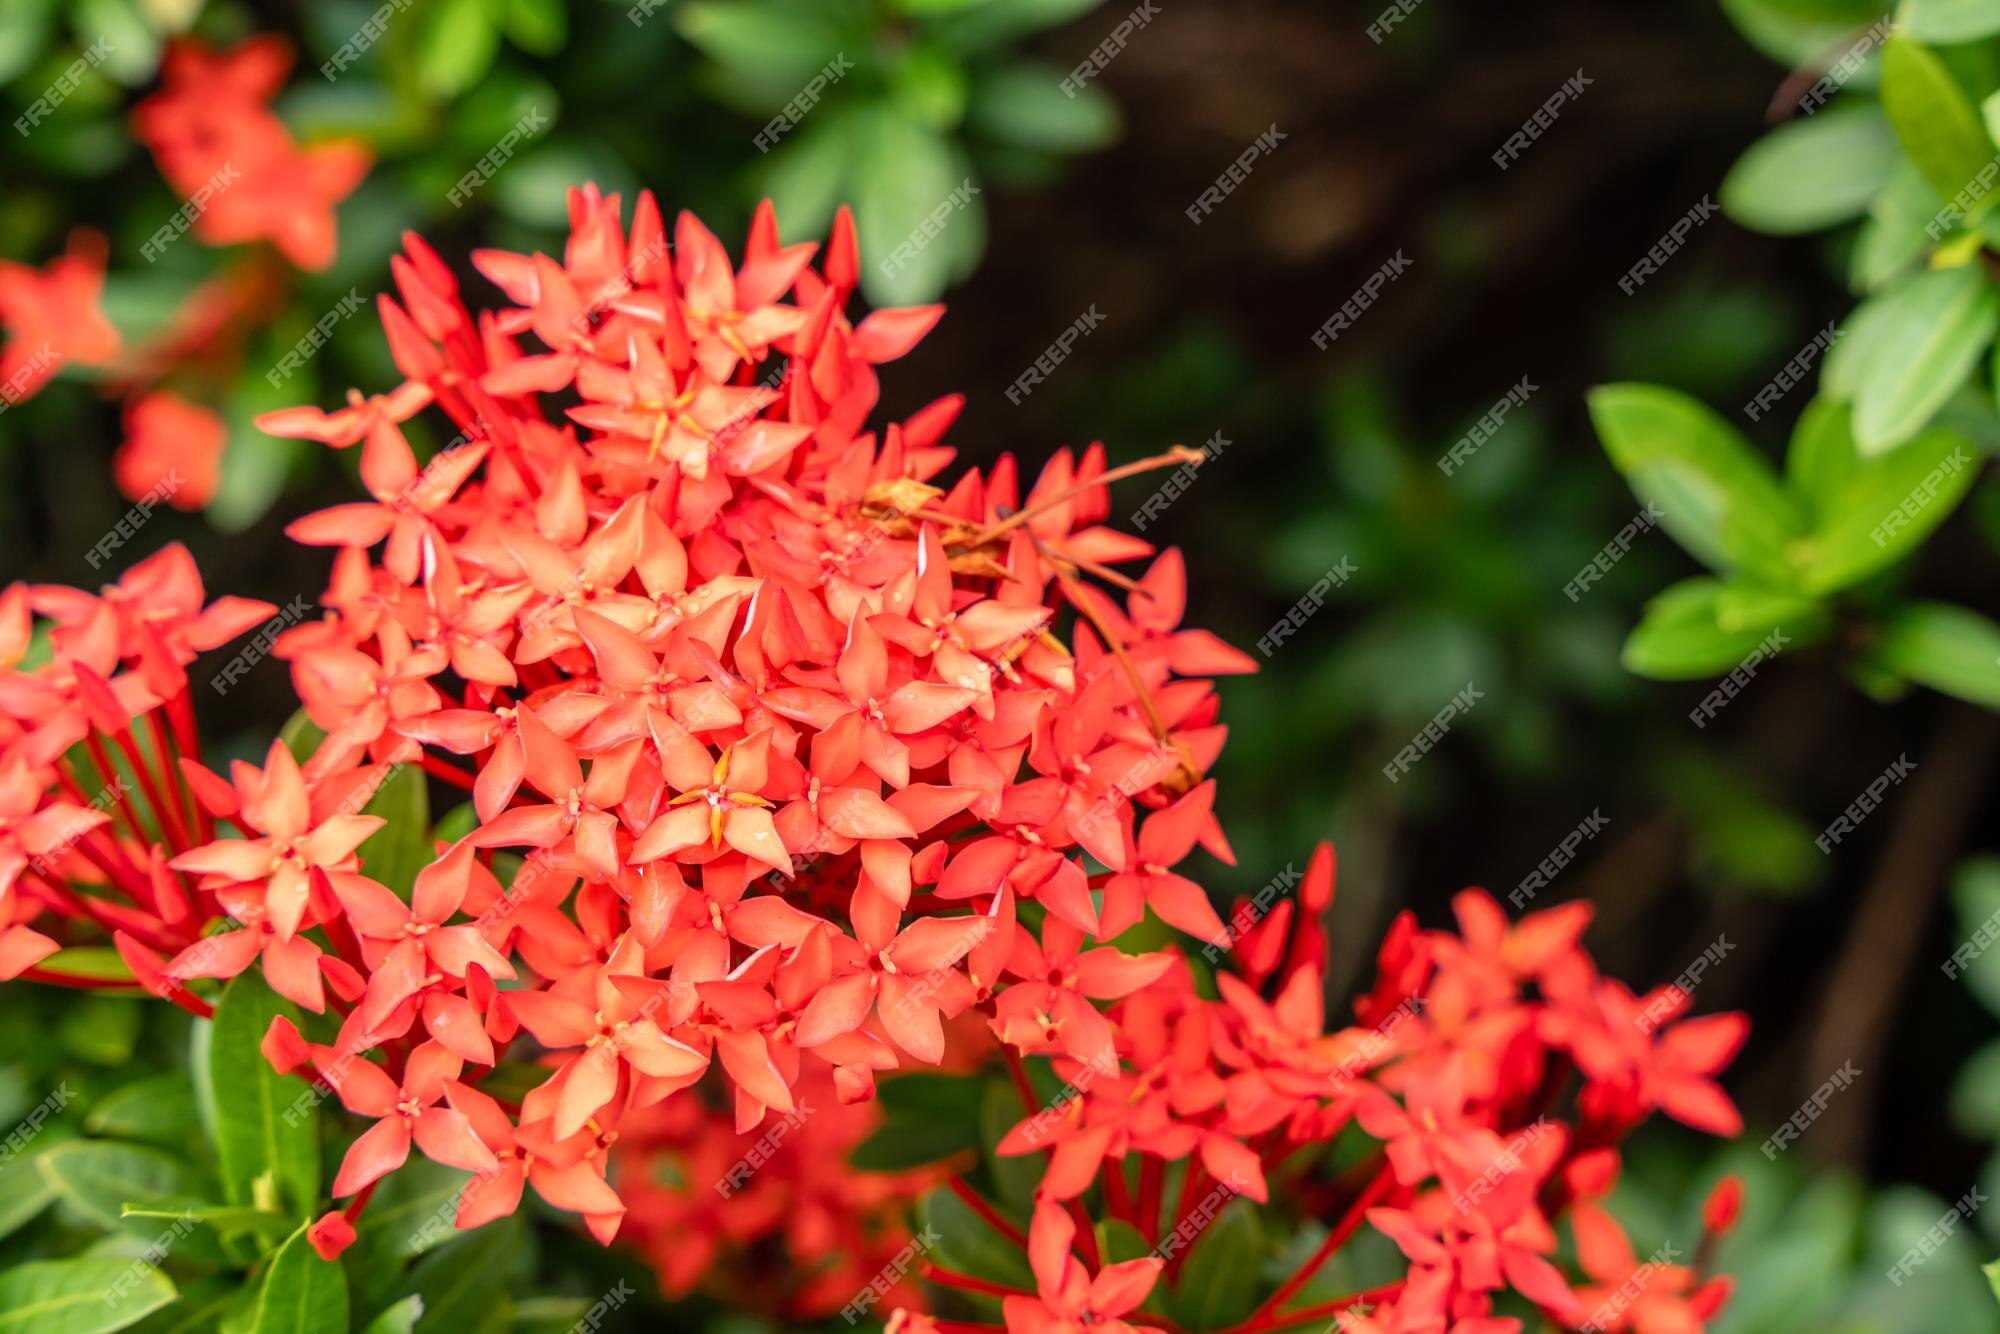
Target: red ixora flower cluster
784,758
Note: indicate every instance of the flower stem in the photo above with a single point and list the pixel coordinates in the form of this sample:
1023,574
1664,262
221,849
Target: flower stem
1349,1221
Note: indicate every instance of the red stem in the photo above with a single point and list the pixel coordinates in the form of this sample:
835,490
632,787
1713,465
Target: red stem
76,983
1152,1181
450,773
108,773
170,774
1322,1311
1115,1197
988,1212
949,1278
1086,1234
168,818
1349,1221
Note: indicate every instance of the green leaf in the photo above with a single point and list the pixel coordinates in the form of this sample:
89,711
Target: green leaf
539,27
1885,508
986,26
99,1177
906,196
968,1243
1715,494
1924,337
24,31
301,736
412,1213
1936,123
266,1124
774,44
458,1283
302,1293
924,1095
1811,174
131,44
455,46
1821,457
805,175
1947,648
1014,1179
98,962
1683,636
81,1296
158,1109
1895,234
1025,104
930,84
400,1318
395,853
255,466
1975,1094
1948,22
901,1145
1794,34
25,1193
1992,1271
1218,1286
100,1029
224,1218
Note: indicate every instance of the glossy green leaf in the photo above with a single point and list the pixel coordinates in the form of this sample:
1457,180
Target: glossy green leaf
80,1296
805,176
301,736
1025,104
930,84
302,1293
1014,1178
1898,229
158,1109
1715,494
986,26
776,44
1950,649
458,1283
1821,457
400,1317
99,1177
1923,339
24,31
1810,174
906,196
537,26
266,1124
968,1243
98,962
1793,34
256,466
24,1190
925,1095
1682,636
901,1145
456,43
1218,1284
1935,121
395,853
1885,508
1947,22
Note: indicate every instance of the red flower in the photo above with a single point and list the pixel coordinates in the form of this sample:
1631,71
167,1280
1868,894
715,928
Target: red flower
52,317
172,447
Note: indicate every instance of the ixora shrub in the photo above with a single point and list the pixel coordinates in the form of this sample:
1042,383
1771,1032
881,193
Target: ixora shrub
788,768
